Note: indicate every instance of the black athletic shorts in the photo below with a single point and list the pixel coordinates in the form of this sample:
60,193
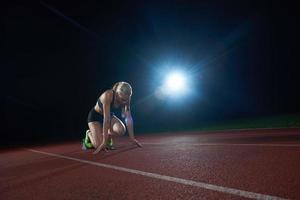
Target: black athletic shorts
94,116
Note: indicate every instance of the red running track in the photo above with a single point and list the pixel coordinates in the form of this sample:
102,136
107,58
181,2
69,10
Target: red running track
257,164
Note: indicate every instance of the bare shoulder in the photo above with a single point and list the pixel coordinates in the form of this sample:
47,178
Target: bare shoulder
106,97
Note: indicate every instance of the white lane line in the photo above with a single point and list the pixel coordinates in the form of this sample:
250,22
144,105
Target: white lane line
242,193
224,144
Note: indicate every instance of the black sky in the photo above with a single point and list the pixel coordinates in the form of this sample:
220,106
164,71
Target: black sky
57,57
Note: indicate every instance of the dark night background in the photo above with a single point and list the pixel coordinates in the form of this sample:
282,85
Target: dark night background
56,58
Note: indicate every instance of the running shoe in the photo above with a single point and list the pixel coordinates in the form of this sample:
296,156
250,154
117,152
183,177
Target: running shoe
86,142
110,144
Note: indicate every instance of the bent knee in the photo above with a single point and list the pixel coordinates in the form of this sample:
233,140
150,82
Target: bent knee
119,129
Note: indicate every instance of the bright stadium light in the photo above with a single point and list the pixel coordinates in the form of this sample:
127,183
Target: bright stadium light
175,85
175,82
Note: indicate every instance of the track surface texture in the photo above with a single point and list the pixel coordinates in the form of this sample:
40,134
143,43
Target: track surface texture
248,164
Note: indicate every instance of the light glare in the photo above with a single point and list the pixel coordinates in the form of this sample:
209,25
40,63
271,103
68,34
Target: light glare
175,82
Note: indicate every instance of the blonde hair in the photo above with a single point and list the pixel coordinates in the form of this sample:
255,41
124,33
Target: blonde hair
123,88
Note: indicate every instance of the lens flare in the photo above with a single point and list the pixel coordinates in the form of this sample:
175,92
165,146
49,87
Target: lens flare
175,82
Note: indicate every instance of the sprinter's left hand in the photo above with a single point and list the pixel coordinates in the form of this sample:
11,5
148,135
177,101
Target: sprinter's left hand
99,148
136,142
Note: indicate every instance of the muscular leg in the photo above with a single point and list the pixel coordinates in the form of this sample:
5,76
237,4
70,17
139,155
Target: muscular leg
96,133
117,127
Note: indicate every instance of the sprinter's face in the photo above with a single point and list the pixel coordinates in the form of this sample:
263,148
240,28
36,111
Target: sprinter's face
123,98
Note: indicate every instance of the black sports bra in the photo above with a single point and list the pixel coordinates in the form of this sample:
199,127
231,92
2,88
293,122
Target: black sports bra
111,104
